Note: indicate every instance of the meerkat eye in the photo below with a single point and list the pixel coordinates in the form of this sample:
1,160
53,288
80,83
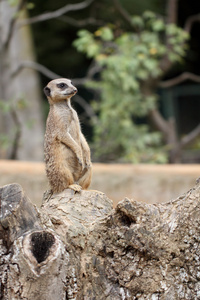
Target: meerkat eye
61,85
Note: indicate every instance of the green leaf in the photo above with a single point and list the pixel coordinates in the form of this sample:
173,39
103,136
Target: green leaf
171,29
93,50
5,107
30,5
158,25
13,2
148,14
142,74
137,21
106,34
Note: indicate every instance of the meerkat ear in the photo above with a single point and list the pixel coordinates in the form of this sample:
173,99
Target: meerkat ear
47,91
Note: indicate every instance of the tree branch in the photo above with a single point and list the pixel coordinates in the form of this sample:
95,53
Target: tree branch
189,22
87,108
92,70
82,23
38,67
172,11
159,121
18,132
181,78
122,11
57,13
190,137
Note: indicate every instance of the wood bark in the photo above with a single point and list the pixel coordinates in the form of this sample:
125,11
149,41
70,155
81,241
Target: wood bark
78,247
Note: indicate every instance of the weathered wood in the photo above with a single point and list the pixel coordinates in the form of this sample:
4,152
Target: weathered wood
84,249
17,212
33,258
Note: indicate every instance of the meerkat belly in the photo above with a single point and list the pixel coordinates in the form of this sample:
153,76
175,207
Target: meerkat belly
59,158
74,131
68,158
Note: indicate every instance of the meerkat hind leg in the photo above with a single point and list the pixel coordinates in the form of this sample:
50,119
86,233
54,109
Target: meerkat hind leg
85,180
75,187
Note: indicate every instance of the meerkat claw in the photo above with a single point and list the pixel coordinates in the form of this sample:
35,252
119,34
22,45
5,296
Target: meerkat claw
75,187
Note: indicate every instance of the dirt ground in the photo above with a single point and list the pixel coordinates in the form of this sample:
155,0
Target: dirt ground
146,183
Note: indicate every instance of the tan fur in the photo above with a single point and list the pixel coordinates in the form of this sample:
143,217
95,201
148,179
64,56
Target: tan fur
67,154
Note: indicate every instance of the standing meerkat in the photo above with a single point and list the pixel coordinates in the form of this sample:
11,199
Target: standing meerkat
66,151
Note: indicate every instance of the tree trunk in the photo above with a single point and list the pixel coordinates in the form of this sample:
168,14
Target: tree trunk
78,247
22,119
168,128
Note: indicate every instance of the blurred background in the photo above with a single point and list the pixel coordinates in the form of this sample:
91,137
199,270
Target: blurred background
136,65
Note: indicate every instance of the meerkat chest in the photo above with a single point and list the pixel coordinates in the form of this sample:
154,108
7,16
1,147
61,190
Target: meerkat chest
69,119
74,125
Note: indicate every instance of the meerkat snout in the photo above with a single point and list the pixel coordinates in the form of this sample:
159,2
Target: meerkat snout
75,90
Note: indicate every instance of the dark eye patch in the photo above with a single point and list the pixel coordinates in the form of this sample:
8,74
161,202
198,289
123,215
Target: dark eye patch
62,85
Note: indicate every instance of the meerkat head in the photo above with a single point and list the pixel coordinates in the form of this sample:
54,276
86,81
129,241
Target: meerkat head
59,90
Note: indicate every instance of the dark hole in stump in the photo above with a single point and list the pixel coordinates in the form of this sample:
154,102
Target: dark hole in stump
41,244
126,220
111,254
1,291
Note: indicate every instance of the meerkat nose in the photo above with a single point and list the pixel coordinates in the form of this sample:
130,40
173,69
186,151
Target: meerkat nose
75,90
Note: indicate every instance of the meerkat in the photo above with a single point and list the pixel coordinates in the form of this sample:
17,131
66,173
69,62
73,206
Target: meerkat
66,151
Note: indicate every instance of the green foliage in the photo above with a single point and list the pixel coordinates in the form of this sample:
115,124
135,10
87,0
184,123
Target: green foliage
30,5
9,106
87,44
5,143
13,2
130,61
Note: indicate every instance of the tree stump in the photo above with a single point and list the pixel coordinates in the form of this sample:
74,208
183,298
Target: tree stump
78,247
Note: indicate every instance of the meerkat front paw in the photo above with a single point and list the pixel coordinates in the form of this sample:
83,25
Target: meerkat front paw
75,187
88,164
80,161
